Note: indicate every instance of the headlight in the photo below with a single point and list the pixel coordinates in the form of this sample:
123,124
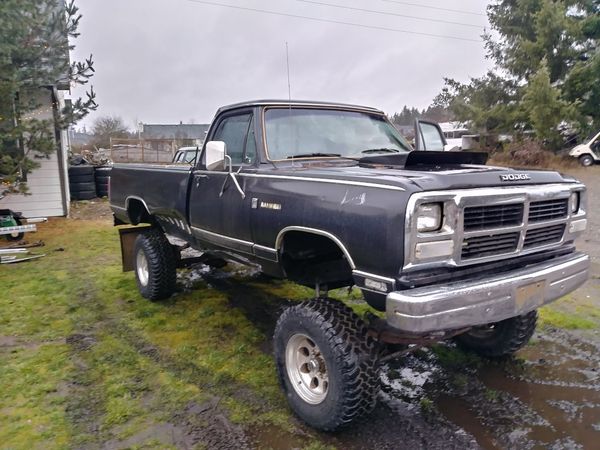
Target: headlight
574,201
429,217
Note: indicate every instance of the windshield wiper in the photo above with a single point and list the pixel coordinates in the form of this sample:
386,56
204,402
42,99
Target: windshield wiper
308,155
381,150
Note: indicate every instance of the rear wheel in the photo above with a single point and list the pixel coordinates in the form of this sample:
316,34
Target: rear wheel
155,265
327,365
500,339
586,160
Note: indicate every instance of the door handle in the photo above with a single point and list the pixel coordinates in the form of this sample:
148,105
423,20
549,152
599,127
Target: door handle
198,177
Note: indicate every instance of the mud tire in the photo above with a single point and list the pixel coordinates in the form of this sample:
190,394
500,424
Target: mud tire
161,265
350,357
500,339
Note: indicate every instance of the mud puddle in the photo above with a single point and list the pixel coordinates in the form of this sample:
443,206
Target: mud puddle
546,397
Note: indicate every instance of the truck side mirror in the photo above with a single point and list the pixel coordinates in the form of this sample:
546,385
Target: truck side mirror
428,136
215,155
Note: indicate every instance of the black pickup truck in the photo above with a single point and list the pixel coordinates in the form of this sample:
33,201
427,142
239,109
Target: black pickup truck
331,195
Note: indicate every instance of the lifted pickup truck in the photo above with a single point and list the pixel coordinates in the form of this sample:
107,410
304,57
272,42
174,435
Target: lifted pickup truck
331,195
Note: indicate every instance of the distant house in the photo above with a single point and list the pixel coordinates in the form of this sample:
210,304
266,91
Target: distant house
48,184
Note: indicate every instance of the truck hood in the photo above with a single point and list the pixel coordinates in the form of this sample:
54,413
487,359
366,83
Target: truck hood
428,178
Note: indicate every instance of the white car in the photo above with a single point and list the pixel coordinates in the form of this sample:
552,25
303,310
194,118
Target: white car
588,153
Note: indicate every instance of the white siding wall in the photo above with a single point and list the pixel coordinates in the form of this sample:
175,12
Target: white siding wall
44,183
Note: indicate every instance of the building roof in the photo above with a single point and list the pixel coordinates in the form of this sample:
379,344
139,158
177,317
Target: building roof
297,103
176,131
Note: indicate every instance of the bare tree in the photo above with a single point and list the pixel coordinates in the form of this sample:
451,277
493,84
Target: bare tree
107,127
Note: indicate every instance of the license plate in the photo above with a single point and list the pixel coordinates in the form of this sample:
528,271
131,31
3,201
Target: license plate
530,295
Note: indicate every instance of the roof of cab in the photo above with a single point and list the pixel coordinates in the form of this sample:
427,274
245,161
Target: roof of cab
296,103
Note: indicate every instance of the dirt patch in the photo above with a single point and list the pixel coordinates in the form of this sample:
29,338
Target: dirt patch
207,424
81,342
98,209
14,342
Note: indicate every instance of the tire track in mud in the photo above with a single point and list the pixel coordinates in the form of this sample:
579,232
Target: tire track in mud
85,407
204,424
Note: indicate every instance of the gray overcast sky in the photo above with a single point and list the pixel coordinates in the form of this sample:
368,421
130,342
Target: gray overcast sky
165,61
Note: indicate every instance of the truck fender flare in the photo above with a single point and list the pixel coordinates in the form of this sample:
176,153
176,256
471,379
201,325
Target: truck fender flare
138,199
332,237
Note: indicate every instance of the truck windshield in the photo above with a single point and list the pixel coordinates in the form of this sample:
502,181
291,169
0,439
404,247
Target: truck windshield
305,132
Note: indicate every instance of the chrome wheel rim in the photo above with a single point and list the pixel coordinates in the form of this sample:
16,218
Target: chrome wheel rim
141,263
306,369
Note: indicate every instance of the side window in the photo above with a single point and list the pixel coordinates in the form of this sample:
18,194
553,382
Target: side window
232,130
432,139
250,154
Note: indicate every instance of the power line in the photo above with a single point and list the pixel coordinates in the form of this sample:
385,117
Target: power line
338,22
461,11
386,13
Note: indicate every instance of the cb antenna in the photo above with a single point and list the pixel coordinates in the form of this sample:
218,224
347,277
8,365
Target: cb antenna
287,61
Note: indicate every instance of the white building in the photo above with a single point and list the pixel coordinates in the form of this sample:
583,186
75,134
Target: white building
48,184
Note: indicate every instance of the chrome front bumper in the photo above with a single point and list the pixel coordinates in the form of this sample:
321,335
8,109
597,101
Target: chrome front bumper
469,303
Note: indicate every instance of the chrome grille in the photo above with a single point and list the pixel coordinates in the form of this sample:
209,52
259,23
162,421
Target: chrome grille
544,236
493,216
494,224
489,245
548,210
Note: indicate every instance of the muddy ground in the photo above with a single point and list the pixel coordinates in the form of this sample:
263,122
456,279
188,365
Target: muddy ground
548,396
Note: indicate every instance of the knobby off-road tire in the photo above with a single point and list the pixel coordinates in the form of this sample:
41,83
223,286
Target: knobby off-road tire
500,339
327,365
155,265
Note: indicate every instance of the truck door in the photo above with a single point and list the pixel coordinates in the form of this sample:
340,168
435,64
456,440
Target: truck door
219,214
428,136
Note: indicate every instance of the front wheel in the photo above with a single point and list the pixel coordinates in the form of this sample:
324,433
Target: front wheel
586,160
327,365
499,339
155,265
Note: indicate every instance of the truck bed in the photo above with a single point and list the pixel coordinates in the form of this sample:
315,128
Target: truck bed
148,183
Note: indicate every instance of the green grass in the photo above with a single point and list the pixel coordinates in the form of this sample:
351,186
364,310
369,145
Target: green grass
91,361
550,317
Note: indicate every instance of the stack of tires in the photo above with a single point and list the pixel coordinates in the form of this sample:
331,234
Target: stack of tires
81,182
102,175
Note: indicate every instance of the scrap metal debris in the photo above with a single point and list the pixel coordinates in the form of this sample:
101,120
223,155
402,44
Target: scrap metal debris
11,259
15,255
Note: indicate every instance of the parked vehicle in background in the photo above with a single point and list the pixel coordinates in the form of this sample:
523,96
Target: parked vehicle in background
588,153
454,132
186,155
331,195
